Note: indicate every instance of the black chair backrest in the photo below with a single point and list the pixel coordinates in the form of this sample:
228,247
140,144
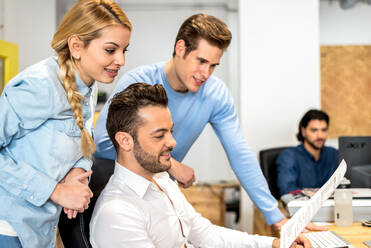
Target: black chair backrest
268,165
75,232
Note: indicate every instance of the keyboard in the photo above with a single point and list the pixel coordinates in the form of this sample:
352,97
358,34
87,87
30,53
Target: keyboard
326,239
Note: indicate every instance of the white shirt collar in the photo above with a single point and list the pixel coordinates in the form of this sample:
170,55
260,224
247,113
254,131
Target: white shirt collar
134,181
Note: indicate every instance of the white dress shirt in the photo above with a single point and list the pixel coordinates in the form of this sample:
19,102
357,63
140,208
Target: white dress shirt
132,212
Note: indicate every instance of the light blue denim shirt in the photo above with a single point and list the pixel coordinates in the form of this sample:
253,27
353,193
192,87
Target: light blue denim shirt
39,144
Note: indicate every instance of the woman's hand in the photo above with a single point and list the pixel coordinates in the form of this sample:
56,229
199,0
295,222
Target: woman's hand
72,173
73,193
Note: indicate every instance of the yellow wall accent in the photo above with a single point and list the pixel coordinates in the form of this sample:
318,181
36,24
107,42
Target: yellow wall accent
9,53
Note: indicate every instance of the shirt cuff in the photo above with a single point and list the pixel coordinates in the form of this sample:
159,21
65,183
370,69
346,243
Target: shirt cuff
42,194
84,163
264,241
273,216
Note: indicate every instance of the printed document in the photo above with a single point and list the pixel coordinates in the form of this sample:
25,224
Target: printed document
295,225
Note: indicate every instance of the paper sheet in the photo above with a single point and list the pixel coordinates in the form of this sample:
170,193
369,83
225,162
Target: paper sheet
295,225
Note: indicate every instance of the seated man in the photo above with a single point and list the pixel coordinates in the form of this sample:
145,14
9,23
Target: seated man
310,164
141,206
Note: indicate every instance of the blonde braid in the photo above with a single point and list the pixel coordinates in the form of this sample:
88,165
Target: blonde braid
85,19
74,98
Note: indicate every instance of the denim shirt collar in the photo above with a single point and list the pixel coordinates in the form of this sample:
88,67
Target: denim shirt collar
81,86
309,155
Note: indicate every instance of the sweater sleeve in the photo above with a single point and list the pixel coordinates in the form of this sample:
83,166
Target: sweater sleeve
18,104
243,161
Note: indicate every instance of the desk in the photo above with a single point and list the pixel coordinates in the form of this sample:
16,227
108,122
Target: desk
208,200
354,234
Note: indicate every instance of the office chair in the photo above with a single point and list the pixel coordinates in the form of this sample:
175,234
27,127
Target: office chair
268,165
75,232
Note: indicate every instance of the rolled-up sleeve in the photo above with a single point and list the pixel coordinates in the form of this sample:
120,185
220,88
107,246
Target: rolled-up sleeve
18,104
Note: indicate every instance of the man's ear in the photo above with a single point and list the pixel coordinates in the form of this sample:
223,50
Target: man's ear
180,48
303,131
75,46
125,141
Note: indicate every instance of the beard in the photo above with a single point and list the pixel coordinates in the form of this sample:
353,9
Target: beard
313,145
150,162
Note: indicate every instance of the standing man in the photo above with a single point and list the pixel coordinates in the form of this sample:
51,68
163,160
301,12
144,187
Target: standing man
141,206
310,164
197,98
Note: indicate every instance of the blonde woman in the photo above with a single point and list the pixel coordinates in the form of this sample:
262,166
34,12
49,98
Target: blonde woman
45,137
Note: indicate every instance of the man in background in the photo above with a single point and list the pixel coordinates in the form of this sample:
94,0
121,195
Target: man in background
310,164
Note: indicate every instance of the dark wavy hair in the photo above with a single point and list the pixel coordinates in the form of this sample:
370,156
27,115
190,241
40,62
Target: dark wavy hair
123,110
312,114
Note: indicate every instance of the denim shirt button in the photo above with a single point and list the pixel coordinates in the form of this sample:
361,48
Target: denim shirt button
31,197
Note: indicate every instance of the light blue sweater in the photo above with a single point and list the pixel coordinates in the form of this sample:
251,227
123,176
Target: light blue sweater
191,112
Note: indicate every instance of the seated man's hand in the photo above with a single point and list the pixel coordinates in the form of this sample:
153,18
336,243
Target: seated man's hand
184,174
299,242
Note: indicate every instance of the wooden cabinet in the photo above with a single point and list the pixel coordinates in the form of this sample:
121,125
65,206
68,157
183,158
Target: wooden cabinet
209,200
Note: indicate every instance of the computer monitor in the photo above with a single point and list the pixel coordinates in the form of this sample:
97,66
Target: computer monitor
356,151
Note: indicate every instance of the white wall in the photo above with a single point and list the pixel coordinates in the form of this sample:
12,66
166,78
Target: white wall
279,72
1,19
345,27
30,25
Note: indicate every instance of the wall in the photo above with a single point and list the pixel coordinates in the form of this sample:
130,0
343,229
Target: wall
345,27
30,25
1,19
279,72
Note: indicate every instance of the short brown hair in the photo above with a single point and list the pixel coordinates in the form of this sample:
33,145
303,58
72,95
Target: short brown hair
123,110
203,26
